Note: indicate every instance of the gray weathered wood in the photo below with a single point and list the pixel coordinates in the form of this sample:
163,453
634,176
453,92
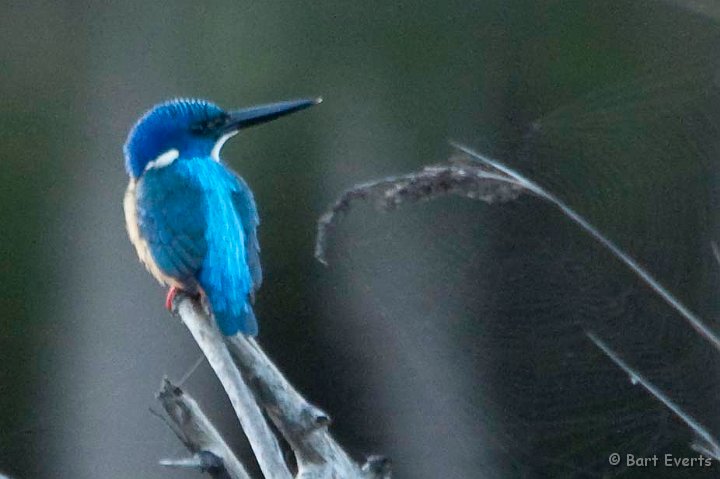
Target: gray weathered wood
253,382
304,426
197,433
262,440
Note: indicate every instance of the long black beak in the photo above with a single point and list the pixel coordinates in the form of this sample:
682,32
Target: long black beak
255,115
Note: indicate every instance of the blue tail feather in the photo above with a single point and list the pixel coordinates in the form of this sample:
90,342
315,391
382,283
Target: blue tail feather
232,322
228,295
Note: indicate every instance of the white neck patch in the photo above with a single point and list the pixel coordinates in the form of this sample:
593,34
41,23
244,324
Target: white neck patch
163,159
219,144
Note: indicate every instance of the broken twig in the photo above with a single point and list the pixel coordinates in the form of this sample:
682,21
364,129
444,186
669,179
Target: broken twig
197,433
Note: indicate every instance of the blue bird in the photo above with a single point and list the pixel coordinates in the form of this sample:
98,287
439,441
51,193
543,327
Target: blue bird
192,220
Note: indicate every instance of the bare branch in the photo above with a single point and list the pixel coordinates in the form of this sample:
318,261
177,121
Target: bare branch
197,433
707,443
262,440
304,426
257,384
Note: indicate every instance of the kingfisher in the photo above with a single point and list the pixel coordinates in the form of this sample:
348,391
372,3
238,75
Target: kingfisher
192,220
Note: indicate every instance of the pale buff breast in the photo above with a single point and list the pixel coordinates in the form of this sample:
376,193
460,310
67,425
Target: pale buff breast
141,246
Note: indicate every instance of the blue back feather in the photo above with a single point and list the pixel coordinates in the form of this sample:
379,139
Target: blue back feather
200,222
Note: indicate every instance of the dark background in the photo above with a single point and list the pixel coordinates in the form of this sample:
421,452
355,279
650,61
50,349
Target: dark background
447,335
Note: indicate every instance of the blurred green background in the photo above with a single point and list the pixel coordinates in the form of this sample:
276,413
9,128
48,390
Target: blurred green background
448,335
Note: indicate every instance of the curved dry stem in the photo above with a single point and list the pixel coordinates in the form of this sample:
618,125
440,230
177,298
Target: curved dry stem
477,176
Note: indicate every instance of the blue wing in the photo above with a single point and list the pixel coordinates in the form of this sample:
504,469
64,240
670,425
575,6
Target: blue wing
170,220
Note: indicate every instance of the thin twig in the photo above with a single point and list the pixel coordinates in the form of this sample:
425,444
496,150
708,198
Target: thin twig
197,433
708,444
264,444
694,320
192,370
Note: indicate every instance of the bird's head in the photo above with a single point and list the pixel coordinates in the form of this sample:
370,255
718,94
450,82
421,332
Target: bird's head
191,128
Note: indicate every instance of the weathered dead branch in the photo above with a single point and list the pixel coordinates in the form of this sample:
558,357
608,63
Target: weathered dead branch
210,452
254,384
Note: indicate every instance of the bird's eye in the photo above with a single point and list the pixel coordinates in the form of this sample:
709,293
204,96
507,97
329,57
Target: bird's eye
211,124
217,122
200,127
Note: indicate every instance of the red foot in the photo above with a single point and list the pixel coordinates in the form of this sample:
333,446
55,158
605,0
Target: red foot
170,298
